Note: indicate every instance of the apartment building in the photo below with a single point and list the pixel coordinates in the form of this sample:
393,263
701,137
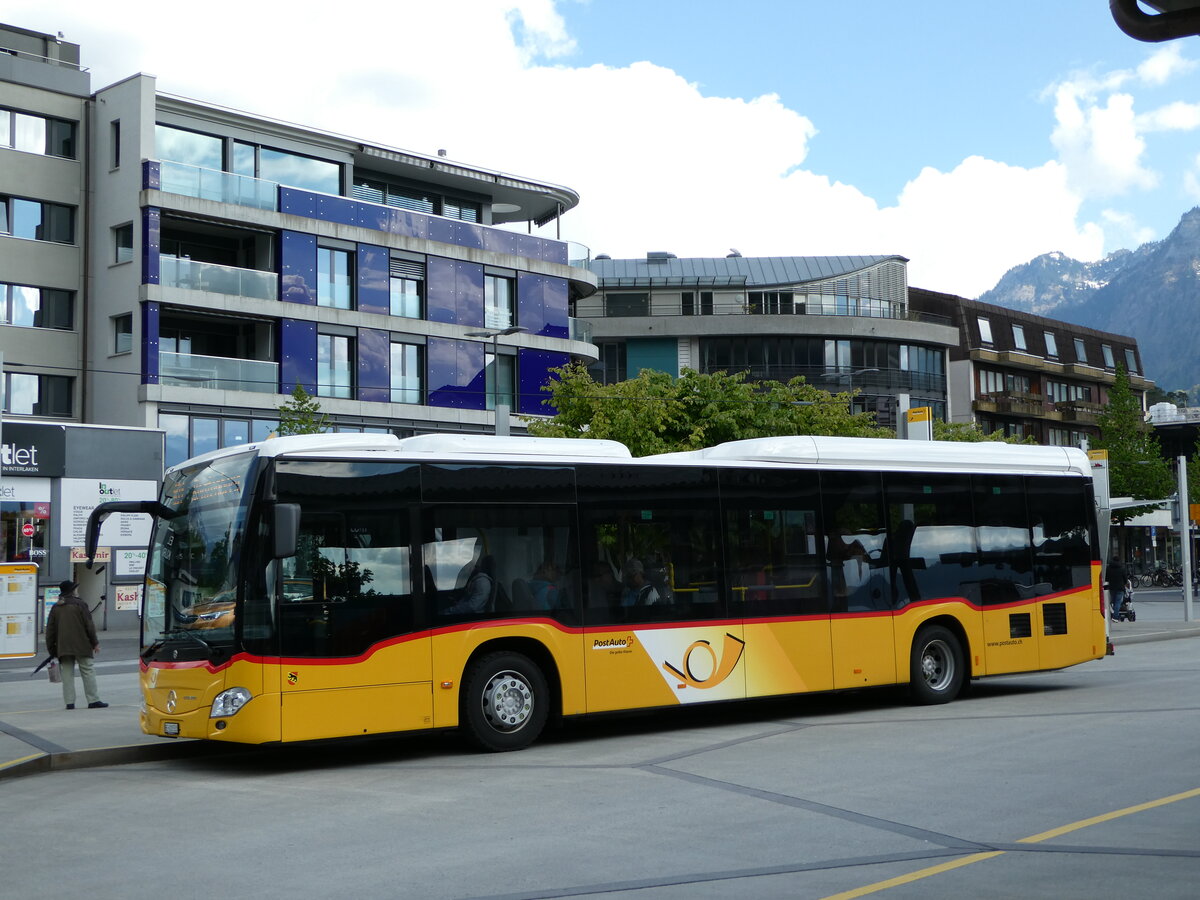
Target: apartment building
843,322
1028,375
173,264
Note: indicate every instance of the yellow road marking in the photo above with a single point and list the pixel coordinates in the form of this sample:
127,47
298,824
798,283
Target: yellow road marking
19,760
915,876
1034,839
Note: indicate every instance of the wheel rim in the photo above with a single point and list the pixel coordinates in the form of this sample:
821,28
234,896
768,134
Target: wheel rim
507,701
937,665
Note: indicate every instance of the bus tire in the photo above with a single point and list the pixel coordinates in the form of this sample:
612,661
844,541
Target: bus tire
937,669
505,702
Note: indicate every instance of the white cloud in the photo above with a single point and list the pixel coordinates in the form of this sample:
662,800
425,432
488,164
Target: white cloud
659,164
1164,64
1177,116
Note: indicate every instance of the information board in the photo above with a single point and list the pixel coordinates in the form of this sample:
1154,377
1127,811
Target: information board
18,610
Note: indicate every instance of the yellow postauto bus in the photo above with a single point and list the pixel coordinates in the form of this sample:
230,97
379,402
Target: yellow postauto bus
326,586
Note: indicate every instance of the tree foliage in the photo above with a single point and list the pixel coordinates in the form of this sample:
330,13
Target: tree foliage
657,413
1136,466
301,415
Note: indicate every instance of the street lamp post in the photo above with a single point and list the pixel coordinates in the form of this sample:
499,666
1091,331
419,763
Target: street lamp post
501,410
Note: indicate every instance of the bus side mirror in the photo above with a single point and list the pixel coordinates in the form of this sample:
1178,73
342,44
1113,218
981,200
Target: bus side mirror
285,529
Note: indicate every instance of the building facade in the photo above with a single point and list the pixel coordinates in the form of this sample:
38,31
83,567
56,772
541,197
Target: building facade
841,322
1028,375
172,264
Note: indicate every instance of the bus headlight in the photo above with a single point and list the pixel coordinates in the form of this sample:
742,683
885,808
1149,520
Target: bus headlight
229,702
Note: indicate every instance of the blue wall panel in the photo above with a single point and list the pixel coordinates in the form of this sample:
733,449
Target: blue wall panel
151,175
531,302
441,303
372,274
456,376
374,365
151,242
532,367
150,343
298,355
558,322
297,202
469,285
299,268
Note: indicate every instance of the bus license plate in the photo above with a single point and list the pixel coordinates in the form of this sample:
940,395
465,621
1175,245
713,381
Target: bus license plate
171,729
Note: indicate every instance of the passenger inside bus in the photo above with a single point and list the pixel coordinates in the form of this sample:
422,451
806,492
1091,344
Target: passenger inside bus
479,593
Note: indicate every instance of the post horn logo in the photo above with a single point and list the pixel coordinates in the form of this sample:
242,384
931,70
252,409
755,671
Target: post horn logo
718,670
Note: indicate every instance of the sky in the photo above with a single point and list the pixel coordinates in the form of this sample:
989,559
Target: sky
966,136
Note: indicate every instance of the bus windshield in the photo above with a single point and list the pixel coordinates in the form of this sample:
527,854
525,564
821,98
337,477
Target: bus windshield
191,580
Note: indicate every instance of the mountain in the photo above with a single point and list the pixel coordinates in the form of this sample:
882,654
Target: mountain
1151,294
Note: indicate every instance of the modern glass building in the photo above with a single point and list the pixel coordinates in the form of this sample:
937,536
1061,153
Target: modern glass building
174,264
842,322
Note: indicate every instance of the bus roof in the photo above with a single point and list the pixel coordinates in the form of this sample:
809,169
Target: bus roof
799,450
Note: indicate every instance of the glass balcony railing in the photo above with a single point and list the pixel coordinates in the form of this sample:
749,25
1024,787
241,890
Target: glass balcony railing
218,372
223,187
581,330
201,276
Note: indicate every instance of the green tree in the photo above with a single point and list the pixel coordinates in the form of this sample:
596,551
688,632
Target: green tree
301,415
970,432
1136,466
656,413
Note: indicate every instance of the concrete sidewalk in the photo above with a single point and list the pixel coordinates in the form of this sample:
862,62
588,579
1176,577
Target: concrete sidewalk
38,735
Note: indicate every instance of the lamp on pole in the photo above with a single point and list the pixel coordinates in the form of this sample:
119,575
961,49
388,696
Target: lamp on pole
500,422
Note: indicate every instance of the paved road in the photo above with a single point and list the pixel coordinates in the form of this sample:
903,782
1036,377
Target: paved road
1076,783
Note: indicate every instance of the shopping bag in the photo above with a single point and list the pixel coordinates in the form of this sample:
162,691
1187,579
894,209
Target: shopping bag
55,672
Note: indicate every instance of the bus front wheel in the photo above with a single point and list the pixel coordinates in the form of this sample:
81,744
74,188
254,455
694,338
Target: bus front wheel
937,668
505,702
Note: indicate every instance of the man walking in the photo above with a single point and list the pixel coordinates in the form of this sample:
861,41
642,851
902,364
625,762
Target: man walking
71,638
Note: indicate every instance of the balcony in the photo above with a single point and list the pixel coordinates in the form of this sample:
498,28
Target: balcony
220,187
218,373
201,276
581,330
1080,412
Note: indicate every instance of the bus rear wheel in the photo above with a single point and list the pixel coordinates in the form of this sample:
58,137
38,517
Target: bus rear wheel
505,702
937,669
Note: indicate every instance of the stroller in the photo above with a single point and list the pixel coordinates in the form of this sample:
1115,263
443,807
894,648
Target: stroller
1127,613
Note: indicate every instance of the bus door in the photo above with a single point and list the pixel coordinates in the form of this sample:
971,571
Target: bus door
657,631
856,554
777,581
354,646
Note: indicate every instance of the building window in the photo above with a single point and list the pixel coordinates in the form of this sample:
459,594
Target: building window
1019,337
123,243
1130,361
422,200
1080,351
37,134
627,304
771,303
1051,345
609,368
406,373
407,288
334,278
187,436
1106,351
37,395
985,330
31,307
114,142
37,221
499,295
335,366
500,379
688,306
122,333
